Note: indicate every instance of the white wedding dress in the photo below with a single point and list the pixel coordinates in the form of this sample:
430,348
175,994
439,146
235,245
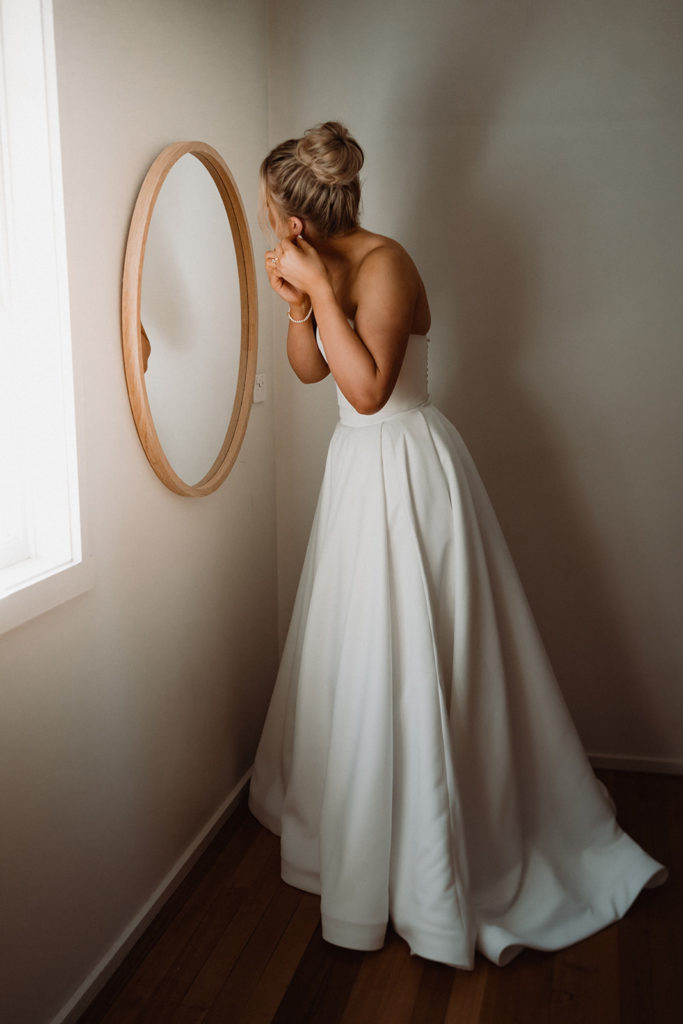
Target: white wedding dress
418,759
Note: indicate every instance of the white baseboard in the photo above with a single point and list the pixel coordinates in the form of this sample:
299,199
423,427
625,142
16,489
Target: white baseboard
666,766
101,973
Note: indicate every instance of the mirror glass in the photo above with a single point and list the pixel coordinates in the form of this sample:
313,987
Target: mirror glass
190,314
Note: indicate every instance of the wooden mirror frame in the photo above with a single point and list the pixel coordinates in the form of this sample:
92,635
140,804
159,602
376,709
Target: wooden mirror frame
131,327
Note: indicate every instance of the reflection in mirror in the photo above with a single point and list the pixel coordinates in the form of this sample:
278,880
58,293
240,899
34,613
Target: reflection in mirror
146,347
190,308
189,330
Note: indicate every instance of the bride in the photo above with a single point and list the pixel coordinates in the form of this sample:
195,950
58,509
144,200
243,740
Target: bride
417,759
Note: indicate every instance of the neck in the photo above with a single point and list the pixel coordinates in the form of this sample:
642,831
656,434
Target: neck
337,247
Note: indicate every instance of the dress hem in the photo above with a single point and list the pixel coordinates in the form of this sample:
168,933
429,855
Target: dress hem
352,934
269,821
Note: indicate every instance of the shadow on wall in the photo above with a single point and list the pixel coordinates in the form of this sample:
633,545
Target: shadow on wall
485,317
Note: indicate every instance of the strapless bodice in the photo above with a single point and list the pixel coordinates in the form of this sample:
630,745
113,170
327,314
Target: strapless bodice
410,392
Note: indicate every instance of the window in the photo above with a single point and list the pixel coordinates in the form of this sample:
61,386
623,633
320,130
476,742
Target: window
41,557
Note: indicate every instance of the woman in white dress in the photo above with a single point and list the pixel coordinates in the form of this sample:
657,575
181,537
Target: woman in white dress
417,760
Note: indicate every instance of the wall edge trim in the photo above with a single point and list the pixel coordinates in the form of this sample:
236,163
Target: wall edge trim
114,956
624,763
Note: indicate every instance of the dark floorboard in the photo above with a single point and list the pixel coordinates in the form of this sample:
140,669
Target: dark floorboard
235,945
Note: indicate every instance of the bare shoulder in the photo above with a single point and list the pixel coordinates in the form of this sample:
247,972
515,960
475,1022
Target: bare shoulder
382,262
387,275
382,255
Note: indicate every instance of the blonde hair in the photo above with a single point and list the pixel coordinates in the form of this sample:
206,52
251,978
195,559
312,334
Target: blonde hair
316,178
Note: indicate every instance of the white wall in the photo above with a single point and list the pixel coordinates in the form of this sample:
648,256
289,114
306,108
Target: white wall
131,713
528,154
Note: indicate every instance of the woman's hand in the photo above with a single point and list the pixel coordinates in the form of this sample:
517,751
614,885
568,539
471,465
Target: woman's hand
298,264
287,292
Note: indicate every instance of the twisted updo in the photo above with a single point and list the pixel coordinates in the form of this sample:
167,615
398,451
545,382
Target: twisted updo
316,178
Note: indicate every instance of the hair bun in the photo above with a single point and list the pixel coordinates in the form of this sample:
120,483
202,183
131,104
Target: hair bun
331,152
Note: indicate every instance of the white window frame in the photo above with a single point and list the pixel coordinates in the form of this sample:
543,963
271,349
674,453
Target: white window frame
42,558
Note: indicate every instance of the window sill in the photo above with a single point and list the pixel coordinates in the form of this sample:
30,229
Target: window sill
45,588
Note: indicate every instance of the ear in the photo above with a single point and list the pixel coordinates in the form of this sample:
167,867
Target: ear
296,227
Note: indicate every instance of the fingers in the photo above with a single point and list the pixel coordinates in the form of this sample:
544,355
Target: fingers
287,292
271,260
274,277
274,267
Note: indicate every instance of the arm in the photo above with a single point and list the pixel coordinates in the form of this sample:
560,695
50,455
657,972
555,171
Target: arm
365,362
303,353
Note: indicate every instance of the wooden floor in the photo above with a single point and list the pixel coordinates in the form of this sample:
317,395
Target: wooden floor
235,944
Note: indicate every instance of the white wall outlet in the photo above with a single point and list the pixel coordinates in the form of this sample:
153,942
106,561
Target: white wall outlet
260,387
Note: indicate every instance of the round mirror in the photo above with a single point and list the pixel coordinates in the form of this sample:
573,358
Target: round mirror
189,318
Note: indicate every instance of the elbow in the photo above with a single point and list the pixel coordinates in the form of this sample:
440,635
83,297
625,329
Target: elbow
372,394
370,402
309,374
313,378
367,408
